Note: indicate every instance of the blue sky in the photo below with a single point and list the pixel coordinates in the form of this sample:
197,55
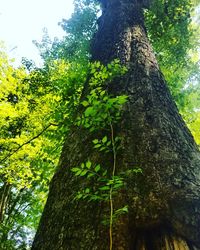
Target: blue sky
22,21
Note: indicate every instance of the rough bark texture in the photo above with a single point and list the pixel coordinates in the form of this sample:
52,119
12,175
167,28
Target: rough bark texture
164,203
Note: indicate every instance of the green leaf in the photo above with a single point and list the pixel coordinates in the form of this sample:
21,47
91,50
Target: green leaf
88,164
98,64
108,143
75,169
104,188
104,140
105,173
97,146
79,196
84,172
79,122
85,103
137,170
90,175
122,99
97,168
87,190
102,93
117,186
78,172
89,111
122,210
95,198
95,141
102,148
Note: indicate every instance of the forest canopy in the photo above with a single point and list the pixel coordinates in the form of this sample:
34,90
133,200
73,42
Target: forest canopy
39,104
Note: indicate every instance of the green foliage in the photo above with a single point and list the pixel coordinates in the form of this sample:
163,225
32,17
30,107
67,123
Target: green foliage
40,106
26,159
103,182
75,46
169,21
100,108
101,112
37,108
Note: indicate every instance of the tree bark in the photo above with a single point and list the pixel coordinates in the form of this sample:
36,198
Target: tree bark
4,195
164,204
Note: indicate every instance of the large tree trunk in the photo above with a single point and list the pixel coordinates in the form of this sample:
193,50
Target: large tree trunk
164,203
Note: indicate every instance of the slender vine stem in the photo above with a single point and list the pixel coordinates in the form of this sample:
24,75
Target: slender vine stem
111,188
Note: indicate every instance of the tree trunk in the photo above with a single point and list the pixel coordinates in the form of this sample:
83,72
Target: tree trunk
4,195
164,204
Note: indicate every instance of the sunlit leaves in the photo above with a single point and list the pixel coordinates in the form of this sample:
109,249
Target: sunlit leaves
169,21
101,109
75,45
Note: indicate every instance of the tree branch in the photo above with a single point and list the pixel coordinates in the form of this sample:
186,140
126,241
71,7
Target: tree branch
29,141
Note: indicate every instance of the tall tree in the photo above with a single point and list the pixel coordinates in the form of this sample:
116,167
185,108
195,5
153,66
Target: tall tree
163,202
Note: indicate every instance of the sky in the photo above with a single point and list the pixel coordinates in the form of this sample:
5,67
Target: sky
22,21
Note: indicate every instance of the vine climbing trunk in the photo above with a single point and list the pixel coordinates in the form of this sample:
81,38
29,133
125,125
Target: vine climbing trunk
163,202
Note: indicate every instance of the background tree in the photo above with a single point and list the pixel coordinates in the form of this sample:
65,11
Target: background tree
24,175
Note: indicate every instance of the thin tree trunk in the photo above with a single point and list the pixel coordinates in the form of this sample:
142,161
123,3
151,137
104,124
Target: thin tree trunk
164,203
4,195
